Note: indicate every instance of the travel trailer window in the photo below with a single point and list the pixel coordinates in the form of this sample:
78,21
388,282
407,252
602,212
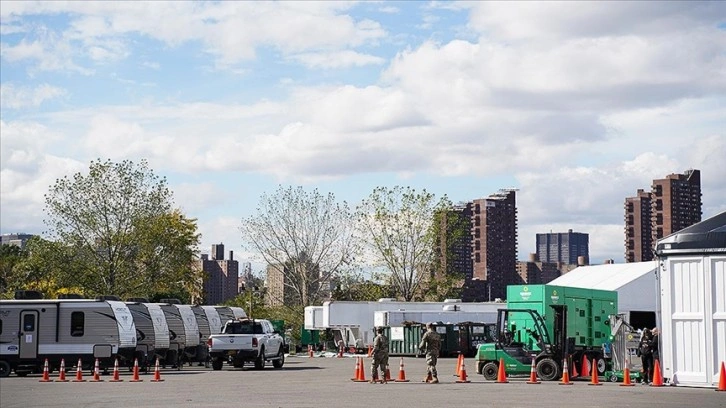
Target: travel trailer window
29,322
1,327
77,323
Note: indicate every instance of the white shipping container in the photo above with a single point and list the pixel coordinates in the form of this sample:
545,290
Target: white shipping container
692,280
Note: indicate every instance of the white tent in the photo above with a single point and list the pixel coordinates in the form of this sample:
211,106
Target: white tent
635,283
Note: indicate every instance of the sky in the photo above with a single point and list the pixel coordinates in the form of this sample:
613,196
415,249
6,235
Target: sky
575,104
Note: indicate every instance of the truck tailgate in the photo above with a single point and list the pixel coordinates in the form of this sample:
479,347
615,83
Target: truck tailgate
231,342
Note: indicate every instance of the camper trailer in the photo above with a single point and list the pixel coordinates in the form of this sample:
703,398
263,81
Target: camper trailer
214,319
205,330
32,330
152,332
225,313
183,332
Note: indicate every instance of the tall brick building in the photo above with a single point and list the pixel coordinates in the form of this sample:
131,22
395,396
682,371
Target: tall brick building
673,203
221,276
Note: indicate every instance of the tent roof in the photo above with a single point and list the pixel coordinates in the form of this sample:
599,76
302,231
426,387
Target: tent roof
605,277
707,236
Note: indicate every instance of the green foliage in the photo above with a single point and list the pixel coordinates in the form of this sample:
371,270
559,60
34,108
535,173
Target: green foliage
120,234
308,236
356,288
397,225
11,277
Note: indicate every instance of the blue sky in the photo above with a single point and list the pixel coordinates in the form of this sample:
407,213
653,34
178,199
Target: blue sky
575,104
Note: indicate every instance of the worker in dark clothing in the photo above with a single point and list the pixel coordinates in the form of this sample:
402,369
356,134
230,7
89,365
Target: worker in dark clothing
380,357
645,351
431,344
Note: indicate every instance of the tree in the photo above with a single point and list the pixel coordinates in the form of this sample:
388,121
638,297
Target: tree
354,286
397,226
10,277
310,236
118,224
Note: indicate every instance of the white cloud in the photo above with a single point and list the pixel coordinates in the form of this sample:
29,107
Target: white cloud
337,59
17,97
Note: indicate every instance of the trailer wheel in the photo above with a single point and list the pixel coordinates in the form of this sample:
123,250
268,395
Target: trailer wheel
4,369
547,369
601,366
490,371
217,364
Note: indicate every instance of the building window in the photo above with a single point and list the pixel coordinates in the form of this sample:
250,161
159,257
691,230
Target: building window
77,324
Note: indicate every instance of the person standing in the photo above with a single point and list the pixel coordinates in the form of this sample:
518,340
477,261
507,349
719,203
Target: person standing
654,349
645,352
431,344
380,357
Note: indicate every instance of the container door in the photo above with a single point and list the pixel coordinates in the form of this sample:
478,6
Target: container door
28,334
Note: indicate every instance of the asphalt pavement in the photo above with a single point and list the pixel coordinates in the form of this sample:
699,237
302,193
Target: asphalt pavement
325,381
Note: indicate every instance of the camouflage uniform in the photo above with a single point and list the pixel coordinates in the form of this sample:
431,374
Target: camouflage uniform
431,344
380,357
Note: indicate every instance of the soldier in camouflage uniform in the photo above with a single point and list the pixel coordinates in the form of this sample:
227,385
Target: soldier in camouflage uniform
380,357
431,344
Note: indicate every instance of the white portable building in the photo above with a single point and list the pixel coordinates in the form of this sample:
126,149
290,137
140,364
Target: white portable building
635,283
693,302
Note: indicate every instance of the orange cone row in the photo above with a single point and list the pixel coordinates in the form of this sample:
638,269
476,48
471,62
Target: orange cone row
96,372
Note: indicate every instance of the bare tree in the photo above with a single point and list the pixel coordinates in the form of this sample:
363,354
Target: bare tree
397,226
307,236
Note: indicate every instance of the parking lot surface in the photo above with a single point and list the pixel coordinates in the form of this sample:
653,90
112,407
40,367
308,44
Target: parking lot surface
320,382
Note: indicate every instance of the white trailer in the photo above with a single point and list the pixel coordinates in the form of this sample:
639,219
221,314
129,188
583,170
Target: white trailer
692,283
34,330
152,332
393,318
355,321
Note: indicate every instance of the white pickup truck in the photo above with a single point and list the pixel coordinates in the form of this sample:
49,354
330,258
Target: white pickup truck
247,340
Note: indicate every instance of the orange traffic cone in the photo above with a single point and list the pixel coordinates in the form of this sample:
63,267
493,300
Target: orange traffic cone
533,375
157,372
584,369
593,374
458,365
462,373
657,376
116,376
502,374
79,372
565,374
401,373
361,374
722,378
356,372
310,351
62,372
96,373
575,374
370,350
626,377
46,372
387,375
340,351
135,377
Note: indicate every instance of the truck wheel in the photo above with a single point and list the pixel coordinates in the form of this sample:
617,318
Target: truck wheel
260,360
547,369
280,359
4,369
217,364
601,366
490,371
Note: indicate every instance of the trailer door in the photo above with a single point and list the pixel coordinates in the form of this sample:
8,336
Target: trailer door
28,334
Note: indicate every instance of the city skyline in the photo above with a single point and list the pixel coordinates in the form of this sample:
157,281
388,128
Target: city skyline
576,105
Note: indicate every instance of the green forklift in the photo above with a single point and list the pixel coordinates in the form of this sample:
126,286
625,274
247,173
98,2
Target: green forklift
549,325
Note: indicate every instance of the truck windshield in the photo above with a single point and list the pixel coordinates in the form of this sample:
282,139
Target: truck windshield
243,328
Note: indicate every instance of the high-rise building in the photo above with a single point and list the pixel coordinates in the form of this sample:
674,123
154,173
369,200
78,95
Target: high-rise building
562,247
673,203
494,233
221,276
638,241
455,241
278,291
